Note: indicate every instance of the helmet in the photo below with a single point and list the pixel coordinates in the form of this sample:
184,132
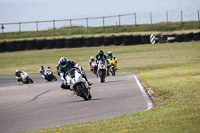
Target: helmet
63,61
92,58
109,53
101,52
17,71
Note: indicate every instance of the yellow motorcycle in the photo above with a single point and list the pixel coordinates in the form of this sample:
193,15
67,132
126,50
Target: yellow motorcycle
113,66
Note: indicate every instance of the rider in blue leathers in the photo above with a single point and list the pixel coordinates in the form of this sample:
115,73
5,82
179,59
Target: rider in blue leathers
64,65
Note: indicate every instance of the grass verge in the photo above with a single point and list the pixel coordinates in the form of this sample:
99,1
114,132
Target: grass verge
67,31
171,73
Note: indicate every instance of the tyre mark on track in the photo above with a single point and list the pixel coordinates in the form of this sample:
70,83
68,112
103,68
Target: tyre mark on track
36,97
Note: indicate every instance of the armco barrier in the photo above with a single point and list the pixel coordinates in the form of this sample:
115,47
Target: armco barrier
127,39
50,43
11,46
2,46
30,44
40,44
117,40
108,40
145,39
188,37
20,45
136,39
98,41
79,42
60,43
180,38
69,42
196,36
88,41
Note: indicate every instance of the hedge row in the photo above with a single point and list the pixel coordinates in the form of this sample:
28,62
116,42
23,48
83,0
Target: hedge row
93,41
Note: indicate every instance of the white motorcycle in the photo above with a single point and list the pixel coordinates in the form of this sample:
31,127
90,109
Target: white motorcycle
78,84
49,74
24,78
102,70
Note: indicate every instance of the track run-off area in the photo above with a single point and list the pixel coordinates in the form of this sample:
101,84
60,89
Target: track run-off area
42,105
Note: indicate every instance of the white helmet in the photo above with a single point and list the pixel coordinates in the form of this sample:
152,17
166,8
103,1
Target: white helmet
109,53
63,61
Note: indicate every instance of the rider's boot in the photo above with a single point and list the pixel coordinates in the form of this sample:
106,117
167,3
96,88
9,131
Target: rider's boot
63,86
89,83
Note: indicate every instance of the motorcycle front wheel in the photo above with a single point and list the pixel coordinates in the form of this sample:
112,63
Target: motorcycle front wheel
53,77
102,76
113,71
30,80
80,88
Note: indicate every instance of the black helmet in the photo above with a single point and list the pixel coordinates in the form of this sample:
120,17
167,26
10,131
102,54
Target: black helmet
42,67
101,52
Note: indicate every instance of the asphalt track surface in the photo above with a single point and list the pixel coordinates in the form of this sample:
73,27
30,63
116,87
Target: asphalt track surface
43,105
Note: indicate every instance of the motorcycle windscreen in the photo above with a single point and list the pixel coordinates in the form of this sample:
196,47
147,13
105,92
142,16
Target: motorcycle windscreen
71,73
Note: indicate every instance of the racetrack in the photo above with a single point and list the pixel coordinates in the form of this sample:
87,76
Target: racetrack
44,105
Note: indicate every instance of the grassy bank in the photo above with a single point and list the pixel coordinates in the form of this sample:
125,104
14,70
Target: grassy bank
170,72
66,31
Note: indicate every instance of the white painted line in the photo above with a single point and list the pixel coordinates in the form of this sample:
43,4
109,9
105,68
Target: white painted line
144,93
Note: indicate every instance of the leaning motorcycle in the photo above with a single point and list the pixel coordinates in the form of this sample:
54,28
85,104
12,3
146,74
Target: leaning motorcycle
25,78
93,65
78,84
112,67
101,70
49,75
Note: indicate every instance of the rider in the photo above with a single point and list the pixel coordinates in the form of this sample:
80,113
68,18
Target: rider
42,71
90,63
101,56
18,75
110,56
64,66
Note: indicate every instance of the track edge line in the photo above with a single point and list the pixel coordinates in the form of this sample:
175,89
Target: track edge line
146,95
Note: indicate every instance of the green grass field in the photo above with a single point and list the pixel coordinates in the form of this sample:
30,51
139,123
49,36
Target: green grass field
170,72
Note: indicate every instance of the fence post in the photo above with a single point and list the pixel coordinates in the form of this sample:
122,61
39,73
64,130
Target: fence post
54,25
19,27
2,28
70,24
37,26
198,16
182,17
119,20
151,17
135,19
103,22
167,17
87,22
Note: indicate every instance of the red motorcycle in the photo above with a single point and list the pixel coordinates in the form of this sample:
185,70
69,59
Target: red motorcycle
94,67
